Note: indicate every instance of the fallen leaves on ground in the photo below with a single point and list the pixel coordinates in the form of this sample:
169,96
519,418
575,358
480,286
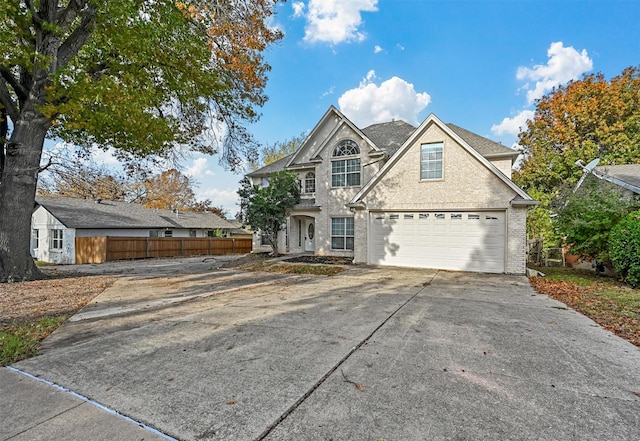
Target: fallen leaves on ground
614,308
58,295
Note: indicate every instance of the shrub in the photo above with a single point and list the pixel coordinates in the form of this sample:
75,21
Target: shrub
624,248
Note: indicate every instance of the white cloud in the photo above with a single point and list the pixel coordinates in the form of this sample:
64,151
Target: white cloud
227,199
513,126
198,168
564,64
377,49
105,157
328,92
394,98
335,21
298,9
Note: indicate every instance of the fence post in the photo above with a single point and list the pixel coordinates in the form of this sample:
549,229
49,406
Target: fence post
233,246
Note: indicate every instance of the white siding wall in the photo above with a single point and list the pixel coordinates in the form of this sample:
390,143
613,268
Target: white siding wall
44,222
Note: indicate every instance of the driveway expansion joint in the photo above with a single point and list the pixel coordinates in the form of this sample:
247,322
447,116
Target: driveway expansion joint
331,371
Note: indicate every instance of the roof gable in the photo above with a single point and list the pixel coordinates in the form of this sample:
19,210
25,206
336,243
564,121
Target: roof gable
431,120
321,140
87,214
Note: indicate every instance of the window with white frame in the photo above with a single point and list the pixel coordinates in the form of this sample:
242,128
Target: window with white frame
431,161
345,172
35,238
55,239
310,182
342,233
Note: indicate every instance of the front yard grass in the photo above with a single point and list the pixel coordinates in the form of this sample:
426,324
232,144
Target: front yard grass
19,341
606,301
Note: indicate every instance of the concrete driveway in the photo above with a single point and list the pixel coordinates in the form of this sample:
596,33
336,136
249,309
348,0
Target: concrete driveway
370,354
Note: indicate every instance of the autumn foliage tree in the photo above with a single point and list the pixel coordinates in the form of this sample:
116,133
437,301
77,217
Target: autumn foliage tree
170,190
586,119
144,77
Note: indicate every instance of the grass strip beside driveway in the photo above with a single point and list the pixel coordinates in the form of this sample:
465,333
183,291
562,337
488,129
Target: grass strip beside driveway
606,301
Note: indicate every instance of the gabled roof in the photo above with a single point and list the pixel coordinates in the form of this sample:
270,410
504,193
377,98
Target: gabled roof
523,199
626,175
89,214
332,111
386,138
484,146
389,136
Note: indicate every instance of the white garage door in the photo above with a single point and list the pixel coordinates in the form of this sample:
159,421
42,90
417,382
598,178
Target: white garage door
462,241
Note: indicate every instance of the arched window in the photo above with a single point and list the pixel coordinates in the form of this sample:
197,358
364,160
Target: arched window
346,148
345,172
310,182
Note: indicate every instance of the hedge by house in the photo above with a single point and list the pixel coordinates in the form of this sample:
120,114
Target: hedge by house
624,248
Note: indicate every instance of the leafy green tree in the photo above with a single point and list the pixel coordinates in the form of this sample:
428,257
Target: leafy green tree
583,120
277,151
266,209
144,77
624,248
588,216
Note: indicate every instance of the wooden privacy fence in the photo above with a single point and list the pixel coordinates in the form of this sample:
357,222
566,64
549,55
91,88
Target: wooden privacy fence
98,249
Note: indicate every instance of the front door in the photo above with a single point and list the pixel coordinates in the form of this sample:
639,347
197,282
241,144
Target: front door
309,234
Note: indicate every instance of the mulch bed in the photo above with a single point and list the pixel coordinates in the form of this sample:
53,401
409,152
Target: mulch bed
325,260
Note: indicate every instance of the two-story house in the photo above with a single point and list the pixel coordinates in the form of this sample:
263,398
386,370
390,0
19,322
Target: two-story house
435,196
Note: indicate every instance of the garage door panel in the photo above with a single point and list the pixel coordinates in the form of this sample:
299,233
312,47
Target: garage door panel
469,241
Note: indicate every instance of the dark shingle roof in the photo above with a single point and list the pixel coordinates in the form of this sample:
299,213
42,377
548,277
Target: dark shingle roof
389,136
629,173
482,145
271,168
85,213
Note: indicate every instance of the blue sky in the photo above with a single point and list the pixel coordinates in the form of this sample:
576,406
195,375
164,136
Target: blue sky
478,64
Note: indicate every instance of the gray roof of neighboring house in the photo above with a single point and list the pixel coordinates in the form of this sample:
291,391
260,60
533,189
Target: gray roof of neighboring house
627,173
482,145
389,136
89,214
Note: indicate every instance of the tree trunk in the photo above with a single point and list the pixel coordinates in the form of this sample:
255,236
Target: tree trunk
17,197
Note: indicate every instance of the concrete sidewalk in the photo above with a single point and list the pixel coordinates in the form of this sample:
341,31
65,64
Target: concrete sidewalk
369,354
32,410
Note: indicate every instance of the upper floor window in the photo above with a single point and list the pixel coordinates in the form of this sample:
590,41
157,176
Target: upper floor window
310,182
431,161
345,172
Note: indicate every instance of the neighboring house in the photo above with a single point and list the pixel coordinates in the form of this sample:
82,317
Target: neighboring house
626,177
240,231
436,196
57,221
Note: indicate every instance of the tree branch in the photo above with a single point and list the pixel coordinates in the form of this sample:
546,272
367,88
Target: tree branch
7,102
70,47
68,15
18,88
